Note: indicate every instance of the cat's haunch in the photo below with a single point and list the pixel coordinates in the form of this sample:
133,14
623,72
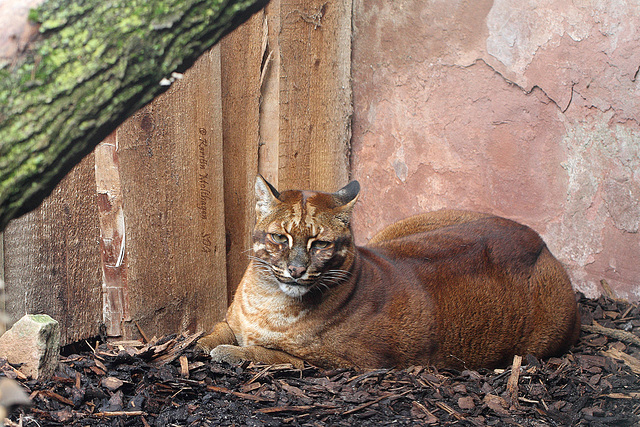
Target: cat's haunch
448,288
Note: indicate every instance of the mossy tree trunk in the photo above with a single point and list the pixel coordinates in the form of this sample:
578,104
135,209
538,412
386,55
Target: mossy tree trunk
91,64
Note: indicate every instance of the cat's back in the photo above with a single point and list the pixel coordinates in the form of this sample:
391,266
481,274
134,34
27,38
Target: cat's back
487,278
453,236
425,222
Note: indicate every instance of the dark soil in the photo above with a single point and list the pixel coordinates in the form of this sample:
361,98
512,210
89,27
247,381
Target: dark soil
169,383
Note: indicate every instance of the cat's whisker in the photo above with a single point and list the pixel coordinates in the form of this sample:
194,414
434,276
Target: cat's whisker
259,261
321,286
337,274
262,265
332,281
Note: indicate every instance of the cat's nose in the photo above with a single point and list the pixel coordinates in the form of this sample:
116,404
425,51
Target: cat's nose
297,271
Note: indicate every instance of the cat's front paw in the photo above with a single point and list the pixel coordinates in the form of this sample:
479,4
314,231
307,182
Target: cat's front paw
206,344
228,353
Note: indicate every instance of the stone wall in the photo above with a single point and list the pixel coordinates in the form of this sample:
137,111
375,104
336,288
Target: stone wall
523,108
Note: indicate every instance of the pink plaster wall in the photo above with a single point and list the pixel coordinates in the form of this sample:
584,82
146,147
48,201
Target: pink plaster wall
527,109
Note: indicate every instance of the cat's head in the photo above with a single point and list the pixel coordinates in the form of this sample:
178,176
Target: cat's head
303,238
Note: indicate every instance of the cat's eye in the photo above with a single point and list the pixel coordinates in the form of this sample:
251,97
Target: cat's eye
278,238
321,244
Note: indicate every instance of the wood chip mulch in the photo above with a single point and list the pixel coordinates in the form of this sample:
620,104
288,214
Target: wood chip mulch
166,382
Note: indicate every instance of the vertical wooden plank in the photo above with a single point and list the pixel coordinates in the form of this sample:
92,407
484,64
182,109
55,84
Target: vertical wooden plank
115,294
171,175
3,310
269,153
315,93
52,260
286,90
241,53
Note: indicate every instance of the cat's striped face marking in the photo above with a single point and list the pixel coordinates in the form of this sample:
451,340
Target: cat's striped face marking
303,238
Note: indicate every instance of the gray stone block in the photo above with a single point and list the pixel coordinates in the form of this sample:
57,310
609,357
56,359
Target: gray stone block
33,342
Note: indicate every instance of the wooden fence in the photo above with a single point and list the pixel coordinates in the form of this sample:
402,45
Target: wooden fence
149,234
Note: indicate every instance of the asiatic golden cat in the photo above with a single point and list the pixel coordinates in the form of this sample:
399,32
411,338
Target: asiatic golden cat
449,288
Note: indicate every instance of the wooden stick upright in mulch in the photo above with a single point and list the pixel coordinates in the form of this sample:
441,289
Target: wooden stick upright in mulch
512,383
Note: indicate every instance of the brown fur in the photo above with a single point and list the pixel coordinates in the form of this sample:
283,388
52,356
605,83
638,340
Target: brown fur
449,288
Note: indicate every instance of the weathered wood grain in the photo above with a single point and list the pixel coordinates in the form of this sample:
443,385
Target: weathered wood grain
270,95
241,59
170,157
315,94
52,258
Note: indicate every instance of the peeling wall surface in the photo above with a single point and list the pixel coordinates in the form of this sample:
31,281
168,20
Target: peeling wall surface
526,109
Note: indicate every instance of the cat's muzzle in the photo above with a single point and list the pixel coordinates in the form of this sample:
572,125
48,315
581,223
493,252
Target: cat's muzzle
295,288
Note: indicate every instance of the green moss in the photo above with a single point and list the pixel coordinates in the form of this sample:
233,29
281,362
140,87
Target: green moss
42,318
34,16
96,63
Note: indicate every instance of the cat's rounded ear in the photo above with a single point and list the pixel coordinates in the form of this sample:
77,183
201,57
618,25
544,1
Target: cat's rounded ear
266,197
348,193
347,197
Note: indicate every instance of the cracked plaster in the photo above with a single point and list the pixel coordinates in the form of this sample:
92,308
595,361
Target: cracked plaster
524,109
